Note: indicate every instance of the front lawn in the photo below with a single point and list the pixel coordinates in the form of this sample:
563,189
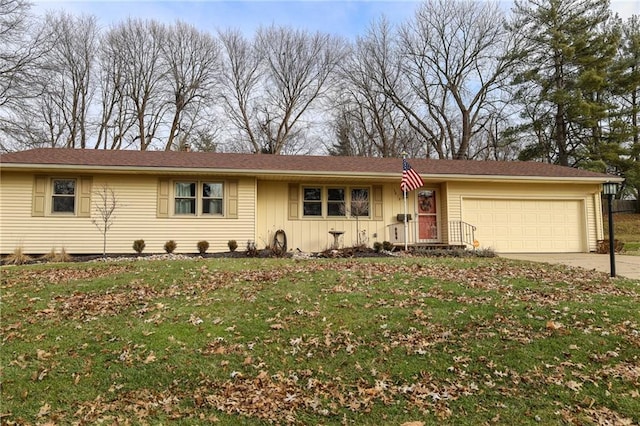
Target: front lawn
366,342
626,227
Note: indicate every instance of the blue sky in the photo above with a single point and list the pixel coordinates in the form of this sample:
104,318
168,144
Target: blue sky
346,17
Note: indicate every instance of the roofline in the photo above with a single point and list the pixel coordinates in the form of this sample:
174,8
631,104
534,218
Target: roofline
37,167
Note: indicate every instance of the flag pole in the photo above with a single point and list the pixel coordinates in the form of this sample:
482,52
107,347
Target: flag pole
406,224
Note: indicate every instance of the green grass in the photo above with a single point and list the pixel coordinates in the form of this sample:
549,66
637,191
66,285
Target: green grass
626,229
367,341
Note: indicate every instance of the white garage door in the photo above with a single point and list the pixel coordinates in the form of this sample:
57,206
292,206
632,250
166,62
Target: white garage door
527,226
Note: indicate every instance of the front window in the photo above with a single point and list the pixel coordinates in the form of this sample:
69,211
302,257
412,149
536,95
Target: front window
185,198
312,201
64,196
212,198
359,202
335,202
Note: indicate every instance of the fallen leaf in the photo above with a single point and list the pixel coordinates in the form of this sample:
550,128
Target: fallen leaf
43,355
552,325
45,410
574,386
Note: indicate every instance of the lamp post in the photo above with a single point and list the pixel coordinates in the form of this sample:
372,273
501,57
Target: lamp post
610,189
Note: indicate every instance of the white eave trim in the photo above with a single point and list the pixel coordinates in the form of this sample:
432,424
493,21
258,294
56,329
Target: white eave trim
40,168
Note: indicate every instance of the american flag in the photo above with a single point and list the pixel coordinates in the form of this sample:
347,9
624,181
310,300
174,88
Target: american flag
410,179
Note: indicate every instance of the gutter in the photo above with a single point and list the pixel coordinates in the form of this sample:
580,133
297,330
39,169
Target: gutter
266,174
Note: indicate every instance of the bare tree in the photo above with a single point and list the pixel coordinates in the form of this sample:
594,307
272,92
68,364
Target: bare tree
300,67
116,117
240,77
454,63
106,204
68,70
137,46
368,120
359,206
272,83
21,45
193,59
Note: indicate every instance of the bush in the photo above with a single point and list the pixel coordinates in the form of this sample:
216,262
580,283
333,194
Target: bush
63,256
18,257
170,246
232,244
50,257
387,246
138,246
485,252
252,250
203,246
455,252
603,246
377,246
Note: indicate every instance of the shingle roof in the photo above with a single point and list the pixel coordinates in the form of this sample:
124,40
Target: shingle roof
284,164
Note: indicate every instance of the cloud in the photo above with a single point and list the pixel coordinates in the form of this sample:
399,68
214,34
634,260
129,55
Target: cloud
625,8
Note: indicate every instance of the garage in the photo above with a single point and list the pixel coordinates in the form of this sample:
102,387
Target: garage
527,225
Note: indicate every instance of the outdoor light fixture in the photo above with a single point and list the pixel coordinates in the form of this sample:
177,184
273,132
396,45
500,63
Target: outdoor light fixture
610,189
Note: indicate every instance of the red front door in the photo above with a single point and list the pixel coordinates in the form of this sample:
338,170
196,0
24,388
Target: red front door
427,215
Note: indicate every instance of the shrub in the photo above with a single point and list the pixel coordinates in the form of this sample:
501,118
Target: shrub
51,256
203,246
377,246
485,252
232,244
63,256
138,246
252,250
170,246
603,246
387,246
18,257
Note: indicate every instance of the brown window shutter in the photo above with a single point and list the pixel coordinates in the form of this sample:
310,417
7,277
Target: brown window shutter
84,196
294,203
232,199
163,198
39,196
377,198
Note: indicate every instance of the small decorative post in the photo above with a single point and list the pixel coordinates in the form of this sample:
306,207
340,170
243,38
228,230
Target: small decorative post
610,189
404,196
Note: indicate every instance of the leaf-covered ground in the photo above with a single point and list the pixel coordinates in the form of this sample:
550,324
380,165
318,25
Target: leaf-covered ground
368,341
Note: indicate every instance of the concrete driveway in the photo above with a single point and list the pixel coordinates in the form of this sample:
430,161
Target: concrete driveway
626,266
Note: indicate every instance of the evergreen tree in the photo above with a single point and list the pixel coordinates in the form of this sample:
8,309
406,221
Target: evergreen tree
622,153
565,48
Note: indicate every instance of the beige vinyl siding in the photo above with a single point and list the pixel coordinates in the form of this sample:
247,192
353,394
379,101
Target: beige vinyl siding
263,207
597,203
586,216
444,213
135,218
279,209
